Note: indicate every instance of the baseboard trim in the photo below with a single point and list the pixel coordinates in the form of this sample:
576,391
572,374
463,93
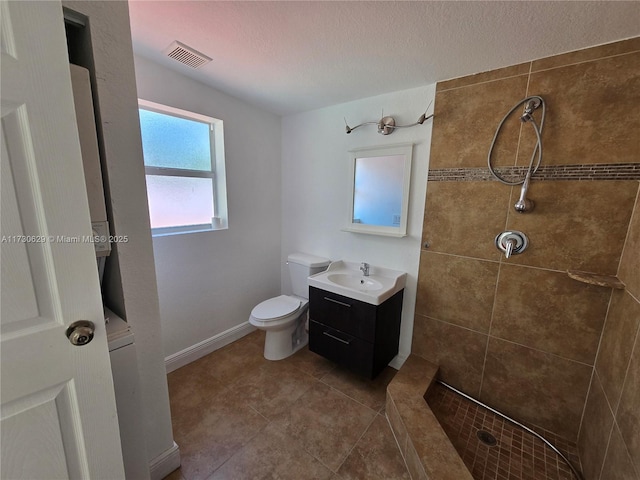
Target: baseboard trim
165,463
399,360
200,349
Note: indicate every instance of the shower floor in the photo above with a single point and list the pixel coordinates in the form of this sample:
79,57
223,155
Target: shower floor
517,455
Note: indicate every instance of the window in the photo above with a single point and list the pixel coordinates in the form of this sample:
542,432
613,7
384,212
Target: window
184,169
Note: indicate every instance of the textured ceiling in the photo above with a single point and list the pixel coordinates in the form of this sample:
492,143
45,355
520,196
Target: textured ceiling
287,57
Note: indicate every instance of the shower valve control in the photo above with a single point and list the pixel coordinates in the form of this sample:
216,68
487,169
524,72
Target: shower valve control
511,242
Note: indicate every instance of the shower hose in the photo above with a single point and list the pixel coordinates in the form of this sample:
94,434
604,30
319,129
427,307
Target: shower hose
537,151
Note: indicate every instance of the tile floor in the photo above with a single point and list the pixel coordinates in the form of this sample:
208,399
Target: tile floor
238,416
518,455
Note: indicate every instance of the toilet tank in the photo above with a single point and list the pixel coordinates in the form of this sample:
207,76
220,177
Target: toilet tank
301,265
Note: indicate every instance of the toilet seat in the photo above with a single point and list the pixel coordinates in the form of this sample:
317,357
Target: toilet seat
275,308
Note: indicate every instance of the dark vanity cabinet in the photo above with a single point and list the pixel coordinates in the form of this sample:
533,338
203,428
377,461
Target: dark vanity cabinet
357,335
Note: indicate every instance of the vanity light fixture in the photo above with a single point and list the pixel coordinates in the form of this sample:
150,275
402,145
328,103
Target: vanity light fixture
386,125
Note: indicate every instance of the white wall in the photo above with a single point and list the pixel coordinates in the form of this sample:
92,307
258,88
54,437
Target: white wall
208,282
315,186
122,149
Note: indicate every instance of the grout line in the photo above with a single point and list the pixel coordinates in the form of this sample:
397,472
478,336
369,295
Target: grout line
315,458
493,309
531,70
397,442
604,326
634,213
428,250
520,133
583,61
626,373
320,461
606,399
535,267
633,296
335,389
606,450
626,448
263,416
507,218
484,82
302,447
595,361
454,324
542,351
506,340
306,372
239,449
584,409
484,365
356,443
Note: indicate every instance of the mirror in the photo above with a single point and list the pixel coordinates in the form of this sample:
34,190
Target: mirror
379,200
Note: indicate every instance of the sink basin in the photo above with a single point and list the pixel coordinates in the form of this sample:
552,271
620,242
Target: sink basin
358,282
345,278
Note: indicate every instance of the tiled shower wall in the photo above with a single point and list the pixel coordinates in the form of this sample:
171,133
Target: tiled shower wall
609,439
519,333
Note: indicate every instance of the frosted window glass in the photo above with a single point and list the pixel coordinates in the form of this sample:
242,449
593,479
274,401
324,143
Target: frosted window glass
174,142
378,190
179,201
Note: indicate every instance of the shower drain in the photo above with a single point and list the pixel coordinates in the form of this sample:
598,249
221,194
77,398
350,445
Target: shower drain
486,438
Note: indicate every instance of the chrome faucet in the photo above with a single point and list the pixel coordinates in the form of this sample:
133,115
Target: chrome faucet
365,268
511,242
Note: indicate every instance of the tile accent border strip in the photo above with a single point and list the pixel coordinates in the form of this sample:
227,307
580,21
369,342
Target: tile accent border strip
597,171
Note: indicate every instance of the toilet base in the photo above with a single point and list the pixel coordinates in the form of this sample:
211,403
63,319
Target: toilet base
280,344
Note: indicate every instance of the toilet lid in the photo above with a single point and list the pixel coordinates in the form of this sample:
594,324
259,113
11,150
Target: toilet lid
275,308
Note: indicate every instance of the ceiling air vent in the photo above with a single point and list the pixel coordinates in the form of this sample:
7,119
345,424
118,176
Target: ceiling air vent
187,55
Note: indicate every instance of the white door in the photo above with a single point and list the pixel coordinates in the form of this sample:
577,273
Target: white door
57,408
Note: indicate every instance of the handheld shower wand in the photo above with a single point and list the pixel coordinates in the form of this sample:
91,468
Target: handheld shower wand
524,204
530,105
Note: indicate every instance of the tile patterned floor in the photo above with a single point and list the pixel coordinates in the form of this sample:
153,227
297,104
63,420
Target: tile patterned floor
518,455
238,416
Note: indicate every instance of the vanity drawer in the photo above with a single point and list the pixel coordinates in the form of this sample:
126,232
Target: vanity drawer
342,348
343,313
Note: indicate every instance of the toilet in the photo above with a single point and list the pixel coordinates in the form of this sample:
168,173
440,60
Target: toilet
284,317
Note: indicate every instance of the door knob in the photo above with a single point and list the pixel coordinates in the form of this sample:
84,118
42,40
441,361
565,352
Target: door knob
81,332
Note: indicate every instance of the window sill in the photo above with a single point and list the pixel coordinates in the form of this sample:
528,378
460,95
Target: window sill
186,229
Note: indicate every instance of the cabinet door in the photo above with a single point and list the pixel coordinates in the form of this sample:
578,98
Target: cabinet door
342,313
344,349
